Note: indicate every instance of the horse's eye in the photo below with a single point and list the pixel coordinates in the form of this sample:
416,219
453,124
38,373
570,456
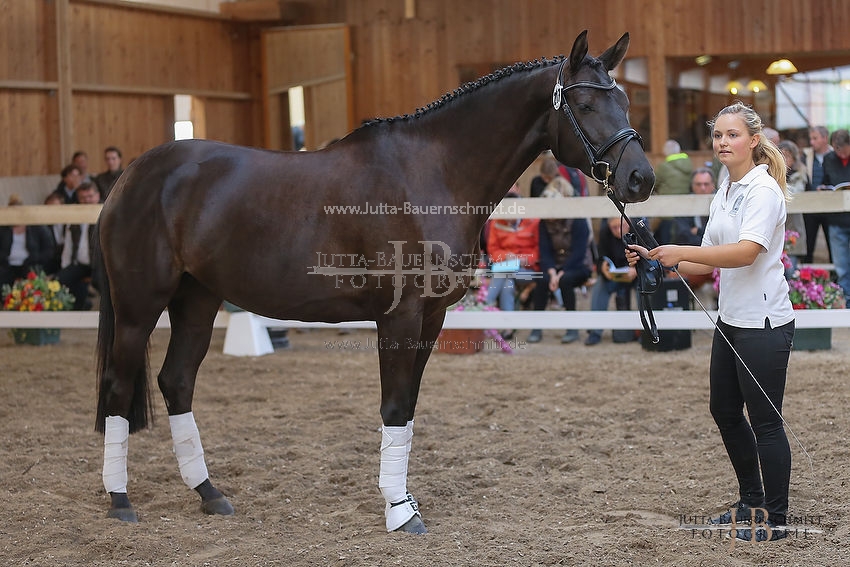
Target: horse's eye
584,107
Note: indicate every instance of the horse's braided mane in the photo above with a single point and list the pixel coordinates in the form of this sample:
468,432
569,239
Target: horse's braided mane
470,87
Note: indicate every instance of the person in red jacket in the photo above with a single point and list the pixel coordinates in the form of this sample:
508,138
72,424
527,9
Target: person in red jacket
513,248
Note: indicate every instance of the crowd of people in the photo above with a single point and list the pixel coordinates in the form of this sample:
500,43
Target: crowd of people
62,250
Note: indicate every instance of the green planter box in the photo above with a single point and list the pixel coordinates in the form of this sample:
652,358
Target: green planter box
37,337
812,339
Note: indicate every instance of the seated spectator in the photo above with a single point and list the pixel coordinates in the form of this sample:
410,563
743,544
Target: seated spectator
511,240
76,272
57,234
797,180
618,282
566,263
689,230
22,248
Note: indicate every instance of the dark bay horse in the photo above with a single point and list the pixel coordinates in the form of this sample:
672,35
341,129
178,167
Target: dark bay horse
192,223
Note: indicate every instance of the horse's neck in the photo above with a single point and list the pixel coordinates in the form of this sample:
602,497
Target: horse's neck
490,136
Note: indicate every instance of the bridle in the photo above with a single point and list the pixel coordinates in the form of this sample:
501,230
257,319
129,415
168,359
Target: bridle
600,170
649,272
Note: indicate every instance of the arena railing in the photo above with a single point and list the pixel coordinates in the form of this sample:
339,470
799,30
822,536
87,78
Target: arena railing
246,329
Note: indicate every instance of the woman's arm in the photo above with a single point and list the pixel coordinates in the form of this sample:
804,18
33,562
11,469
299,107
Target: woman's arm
694,260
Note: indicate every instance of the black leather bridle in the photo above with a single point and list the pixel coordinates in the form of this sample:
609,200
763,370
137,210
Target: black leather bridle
600,170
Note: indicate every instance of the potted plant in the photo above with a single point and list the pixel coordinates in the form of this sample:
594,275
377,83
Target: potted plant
812,288
36,292
470,341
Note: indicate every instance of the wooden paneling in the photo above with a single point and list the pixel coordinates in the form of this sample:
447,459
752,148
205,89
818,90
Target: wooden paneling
230,121
304,56
29,132
27,31
116,45
102,120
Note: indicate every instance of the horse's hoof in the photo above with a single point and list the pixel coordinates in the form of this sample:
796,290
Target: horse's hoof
414,526
123,514
217,506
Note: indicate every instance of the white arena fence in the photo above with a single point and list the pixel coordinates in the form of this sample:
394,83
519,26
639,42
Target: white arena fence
246,333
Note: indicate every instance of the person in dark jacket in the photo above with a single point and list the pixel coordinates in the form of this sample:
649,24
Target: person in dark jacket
22,248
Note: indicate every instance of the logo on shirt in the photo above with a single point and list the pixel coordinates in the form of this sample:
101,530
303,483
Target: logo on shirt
737,206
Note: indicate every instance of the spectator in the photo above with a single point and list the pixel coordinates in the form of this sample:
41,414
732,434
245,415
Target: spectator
550,182
836,169
819,141
689,230
22,248
81,160
566,263
76,272
511,240
71,179
57,233
772,135
673,175
105,180
612,250
797,180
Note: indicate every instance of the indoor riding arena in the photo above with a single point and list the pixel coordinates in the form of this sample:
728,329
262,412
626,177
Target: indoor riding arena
300,189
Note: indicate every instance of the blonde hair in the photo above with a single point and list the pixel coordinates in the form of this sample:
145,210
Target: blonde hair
14,200
765,151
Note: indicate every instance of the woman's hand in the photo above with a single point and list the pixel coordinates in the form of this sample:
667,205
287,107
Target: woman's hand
669,254
635,252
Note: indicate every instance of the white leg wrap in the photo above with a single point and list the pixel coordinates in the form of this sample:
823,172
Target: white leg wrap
116,440
395,452
188,449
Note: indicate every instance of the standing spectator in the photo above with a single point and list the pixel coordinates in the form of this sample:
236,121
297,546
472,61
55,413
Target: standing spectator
71,179
105,180
81,160
745,238
689,230
819,141
798,181
550,182
22,248
836,169
612,250
76,269
673,175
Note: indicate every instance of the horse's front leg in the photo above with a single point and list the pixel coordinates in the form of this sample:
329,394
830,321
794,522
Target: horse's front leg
398,342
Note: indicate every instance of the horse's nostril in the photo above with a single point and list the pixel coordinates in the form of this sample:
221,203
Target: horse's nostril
636,181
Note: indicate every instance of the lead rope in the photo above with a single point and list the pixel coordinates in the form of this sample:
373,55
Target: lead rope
610,193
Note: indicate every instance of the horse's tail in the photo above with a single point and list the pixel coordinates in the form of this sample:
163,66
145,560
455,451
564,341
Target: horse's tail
140,404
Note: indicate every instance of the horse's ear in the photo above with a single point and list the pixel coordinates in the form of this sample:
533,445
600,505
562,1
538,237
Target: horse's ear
578,53
614,54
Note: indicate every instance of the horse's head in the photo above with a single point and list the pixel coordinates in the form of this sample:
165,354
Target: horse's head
591,130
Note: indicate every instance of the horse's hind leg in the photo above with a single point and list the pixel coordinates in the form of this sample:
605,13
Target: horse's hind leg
192,311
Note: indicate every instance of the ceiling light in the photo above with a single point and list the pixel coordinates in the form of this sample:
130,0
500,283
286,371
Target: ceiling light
756,86
734,87
781,67
703,60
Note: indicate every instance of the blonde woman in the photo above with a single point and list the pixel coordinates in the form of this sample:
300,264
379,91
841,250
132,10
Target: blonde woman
744,237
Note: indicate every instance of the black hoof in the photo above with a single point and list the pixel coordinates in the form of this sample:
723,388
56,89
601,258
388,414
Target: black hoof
123,514
218,506
414,526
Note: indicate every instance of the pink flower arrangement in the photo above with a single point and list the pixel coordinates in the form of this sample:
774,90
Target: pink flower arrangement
812,288
477,301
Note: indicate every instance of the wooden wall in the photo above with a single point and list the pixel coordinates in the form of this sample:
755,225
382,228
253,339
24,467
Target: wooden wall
83,74
86,74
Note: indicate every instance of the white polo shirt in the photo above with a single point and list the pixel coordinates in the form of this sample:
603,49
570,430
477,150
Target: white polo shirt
752,209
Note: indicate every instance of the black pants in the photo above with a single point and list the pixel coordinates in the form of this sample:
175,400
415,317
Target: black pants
76,277
761,443
812,222
568,283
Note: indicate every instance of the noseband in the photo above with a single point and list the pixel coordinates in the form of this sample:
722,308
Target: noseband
600,170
